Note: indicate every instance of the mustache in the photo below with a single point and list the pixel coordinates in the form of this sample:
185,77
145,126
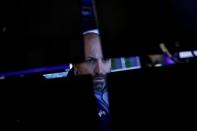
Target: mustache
99,76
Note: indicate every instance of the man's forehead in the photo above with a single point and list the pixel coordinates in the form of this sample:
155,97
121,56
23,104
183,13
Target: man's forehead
92,45
93,49
92,39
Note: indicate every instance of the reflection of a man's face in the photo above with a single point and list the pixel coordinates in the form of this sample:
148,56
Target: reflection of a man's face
94,63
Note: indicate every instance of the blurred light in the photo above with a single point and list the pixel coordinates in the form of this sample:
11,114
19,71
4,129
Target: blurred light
185,54
36,70
2,77
158,65
70,66
125,63
86,13
124,69
56,75
195,52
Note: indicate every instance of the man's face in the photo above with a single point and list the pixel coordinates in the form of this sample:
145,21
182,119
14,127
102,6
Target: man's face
94,63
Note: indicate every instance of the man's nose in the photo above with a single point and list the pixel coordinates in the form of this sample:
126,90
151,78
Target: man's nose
99,67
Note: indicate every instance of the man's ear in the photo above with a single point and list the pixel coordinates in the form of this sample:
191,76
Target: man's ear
76,69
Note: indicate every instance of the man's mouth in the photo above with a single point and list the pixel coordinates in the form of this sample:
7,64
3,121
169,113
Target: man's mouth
99,79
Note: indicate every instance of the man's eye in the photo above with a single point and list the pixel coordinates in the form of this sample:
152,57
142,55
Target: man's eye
105,59
90,61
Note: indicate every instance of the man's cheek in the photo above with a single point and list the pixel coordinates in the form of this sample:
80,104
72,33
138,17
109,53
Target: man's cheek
87,71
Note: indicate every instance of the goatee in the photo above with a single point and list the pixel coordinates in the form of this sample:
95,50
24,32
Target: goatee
99,86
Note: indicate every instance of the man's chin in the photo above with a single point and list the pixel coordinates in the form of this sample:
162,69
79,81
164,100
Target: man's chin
99,85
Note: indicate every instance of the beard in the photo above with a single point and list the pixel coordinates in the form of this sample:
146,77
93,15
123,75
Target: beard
99,82
99,86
